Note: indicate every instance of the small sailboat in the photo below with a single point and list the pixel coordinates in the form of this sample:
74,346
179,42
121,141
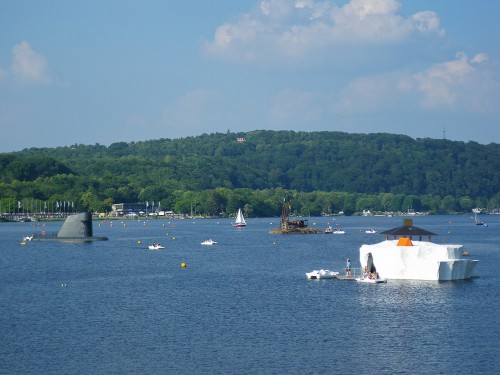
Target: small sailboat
476,220
240,220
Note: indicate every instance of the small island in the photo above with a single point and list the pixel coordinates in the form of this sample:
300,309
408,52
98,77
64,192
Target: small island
292,226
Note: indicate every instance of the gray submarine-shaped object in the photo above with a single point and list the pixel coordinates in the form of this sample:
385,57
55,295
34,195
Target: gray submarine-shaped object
77,227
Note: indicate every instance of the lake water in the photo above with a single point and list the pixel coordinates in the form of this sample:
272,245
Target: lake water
242,306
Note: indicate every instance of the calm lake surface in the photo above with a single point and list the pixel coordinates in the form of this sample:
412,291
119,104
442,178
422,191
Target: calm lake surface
242,306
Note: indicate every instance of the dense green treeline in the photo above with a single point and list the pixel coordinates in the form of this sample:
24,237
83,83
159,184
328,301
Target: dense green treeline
319,171
258,203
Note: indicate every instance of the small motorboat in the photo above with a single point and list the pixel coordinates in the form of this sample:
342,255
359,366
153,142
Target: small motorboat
371,231
27,238
208,242
338,231
328,229
156,246
371,278
321,274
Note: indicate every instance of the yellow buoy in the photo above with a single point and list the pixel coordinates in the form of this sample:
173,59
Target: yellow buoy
173,238
139,242
23,243
183,265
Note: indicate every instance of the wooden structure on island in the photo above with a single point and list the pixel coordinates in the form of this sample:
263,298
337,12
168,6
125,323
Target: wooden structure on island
288,226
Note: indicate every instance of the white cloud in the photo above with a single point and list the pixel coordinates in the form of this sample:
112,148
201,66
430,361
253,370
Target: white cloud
364,8
451,83
294,29
28,66
426,22
479,58
461,84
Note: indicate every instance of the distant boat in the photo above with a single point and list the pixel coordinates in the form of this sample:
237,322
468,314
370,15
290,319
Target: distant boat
329,229
240,220
371,278
338,231
321,274
156,246
208,242
370,231
476,220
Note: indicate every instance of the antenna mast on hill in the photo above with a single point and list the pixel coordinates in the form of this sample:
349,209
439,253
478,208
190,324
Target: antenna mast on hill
444,132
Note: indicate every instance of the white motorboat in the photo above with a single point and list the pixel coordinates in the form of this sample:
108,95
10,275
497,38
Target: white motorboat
329,229
338,231
27,238
208,242
156,246
370,231
406,258
371,278
321,274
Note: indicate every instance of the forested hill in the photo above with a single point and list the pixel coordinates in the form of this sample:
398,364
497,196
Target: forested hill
300,161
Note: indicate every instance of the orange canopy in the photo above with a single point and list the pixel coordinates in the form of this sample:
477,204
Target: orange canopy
404,241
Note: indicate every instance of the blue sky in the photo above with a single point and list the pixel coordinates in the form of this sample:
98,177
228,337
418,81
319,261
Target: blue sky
100,71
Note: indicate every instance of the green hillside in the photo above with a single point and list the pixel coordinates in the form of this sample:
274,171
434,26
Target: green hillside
321,171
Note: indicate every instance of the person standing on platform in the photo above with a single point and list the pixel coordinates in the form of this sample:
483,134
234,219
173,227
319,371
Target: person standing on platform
348,267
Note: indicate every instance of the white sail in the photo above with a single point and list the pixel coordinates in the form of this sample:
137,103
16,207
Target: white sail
240,220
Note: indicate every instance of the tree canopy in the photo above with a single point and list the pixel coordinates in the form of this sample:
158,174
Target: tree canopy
383,170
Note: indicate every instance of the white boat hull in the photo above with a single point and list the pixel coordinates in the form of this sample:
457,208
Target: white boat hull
153,247
371,281
321,274
208,242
